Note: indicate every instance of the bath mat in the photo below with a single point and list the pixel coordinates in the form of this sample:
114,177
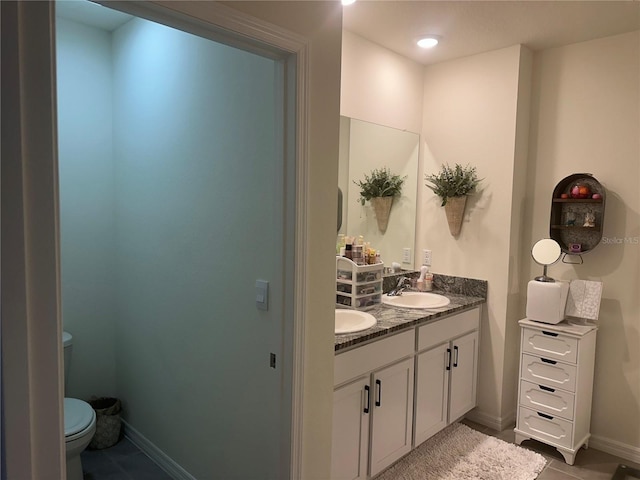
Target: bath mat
461,453
623,472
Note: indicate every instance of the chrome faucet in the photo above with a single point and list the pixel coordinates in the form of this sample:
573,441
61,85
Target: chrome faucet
403,282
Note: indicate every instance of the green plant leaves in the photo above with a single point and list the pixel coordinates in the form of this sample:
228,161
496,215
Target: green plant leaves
453,181
381,183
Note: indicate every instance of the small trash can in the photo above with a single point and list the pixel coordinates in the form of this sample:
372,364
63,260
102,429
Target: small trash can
107,422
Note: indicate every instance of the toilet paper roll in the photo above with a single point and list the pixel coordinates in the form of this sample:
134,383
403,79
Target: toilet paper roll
546,301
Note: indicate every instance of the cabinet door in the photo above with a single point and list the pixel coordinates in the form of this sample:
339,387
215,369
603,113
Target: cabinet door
350,444
462,395
432,392
392,399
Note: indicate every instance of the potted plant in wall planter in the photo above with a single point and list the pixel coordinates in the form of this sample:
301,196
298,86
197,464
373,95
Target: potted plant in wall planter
379,189
453,185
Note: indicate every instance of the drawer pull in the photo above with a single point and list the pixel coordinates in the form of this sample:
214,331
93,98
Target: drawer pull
448,359
368,392
379,388
548,389
544,415
545,360
551,334
455,362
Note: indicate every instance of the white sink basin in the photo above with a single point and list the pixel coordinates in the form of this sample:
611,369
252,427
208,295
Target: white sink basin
349,321
416,300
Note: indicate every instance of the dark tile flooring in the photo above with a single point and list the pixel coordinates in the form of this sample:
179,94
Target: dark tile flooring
123,461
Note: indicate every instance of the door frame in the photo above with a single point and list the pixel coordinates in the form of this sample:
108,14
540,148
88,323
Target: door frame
42,379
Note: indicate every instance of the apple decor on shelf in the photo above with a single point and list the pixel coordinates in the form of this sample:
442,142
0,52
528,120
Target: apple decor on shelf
380,188
453,185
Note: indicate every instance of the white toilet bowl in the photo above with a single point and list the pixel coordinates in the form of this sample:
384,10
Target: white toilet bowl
79,427
79,421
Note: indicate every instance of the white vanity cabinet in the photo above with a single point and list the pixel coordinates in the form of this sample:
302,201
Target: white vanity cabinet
556,385
446,372
372,406
392,394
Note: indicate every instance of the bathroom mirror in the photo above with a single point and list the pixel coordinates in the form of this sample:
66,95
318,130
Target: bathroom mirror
365,146
546,252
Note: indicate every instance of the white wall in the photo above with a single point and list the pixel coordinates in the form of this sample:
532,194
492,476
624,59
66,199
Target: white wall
380,86
470,117
586,118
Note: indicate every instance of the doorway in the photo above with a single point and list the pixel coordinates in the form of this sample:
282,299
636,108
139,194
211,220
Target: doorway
175,189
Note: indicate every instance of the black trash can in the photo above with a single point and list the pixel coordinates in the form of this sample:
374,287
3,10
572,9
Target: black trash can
108,422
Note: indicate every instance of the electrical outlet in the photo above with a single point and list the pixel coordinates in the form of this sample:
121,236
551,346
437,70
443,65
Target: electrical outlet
426,257
406,255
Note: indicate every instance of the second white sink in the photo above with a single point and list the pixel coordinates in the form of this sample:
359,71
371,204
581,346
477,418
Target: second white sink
416,300
349,321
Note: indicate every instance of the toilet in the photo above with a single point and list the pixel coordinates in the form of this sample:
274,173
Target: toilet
79,421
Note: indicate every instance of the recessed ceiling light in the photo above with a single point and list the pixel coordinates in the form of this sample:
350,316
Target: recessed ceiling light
348,2
428,41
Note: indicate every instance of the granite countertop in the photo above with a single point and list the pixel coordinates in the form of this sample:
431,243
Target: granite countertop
463,294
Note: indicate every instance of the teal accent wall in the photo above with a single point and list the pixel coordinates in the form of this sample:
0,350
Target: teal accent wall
87,223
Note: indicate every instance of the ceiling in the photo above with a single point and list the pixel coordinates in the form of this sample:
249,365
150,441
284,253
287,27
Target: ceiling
92,14
472,27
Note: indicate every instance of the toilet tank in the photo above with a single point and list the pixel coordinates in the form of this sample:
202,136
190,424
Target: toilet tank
67,341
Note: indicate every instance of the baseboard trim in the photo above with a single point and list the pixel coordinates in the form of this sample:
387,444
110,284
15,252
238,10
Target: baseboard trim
154,453
619,449
496,423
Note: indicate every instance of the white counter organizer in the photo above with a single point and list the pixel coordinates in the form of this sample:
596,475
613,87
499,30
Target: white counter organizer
358,286
556,385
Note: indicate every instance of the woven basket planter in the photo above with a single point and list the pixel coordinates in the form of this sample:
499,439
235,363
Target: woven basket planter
454,209
108,422
382,209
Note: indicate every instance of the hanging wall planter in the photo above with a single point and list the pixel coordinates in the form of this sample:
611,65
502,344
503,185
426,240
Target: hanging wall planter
380,188
382,208
454,209
452,185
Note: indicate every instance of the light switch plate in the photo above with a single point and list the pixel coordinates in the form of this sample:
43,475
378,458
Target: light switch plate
406,255
262,295
426,257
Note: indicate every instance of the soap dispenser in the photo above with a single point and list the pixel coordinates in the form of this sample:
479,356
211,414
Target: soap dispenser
425,282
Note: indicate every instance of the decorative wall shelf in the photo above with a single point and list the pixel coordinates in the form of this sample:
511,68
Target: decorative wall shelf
577,223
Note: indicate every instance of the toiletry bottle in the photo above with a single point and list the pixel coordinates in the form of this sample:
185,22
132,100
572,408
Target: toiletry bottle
428,281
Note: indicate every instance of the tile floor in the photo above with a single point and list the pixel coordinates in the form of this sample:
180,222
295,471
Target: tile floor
124,461
589,464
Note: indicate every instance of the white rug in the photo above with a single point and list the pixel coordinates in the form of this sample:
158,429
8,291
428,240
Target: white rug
461,453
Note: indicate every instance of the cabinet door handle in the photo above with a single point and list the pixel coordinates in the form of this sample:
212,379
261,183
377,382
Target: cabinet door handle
455,361
448,367
551,334
367,392
544,415
548,389
379,392
545,360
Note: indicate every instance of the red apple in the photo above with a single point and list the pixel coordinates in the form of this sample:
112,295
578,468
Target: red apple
580,191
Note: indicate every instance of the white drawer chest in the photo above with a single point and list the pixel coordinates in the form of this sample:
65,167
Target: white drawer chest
556,385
